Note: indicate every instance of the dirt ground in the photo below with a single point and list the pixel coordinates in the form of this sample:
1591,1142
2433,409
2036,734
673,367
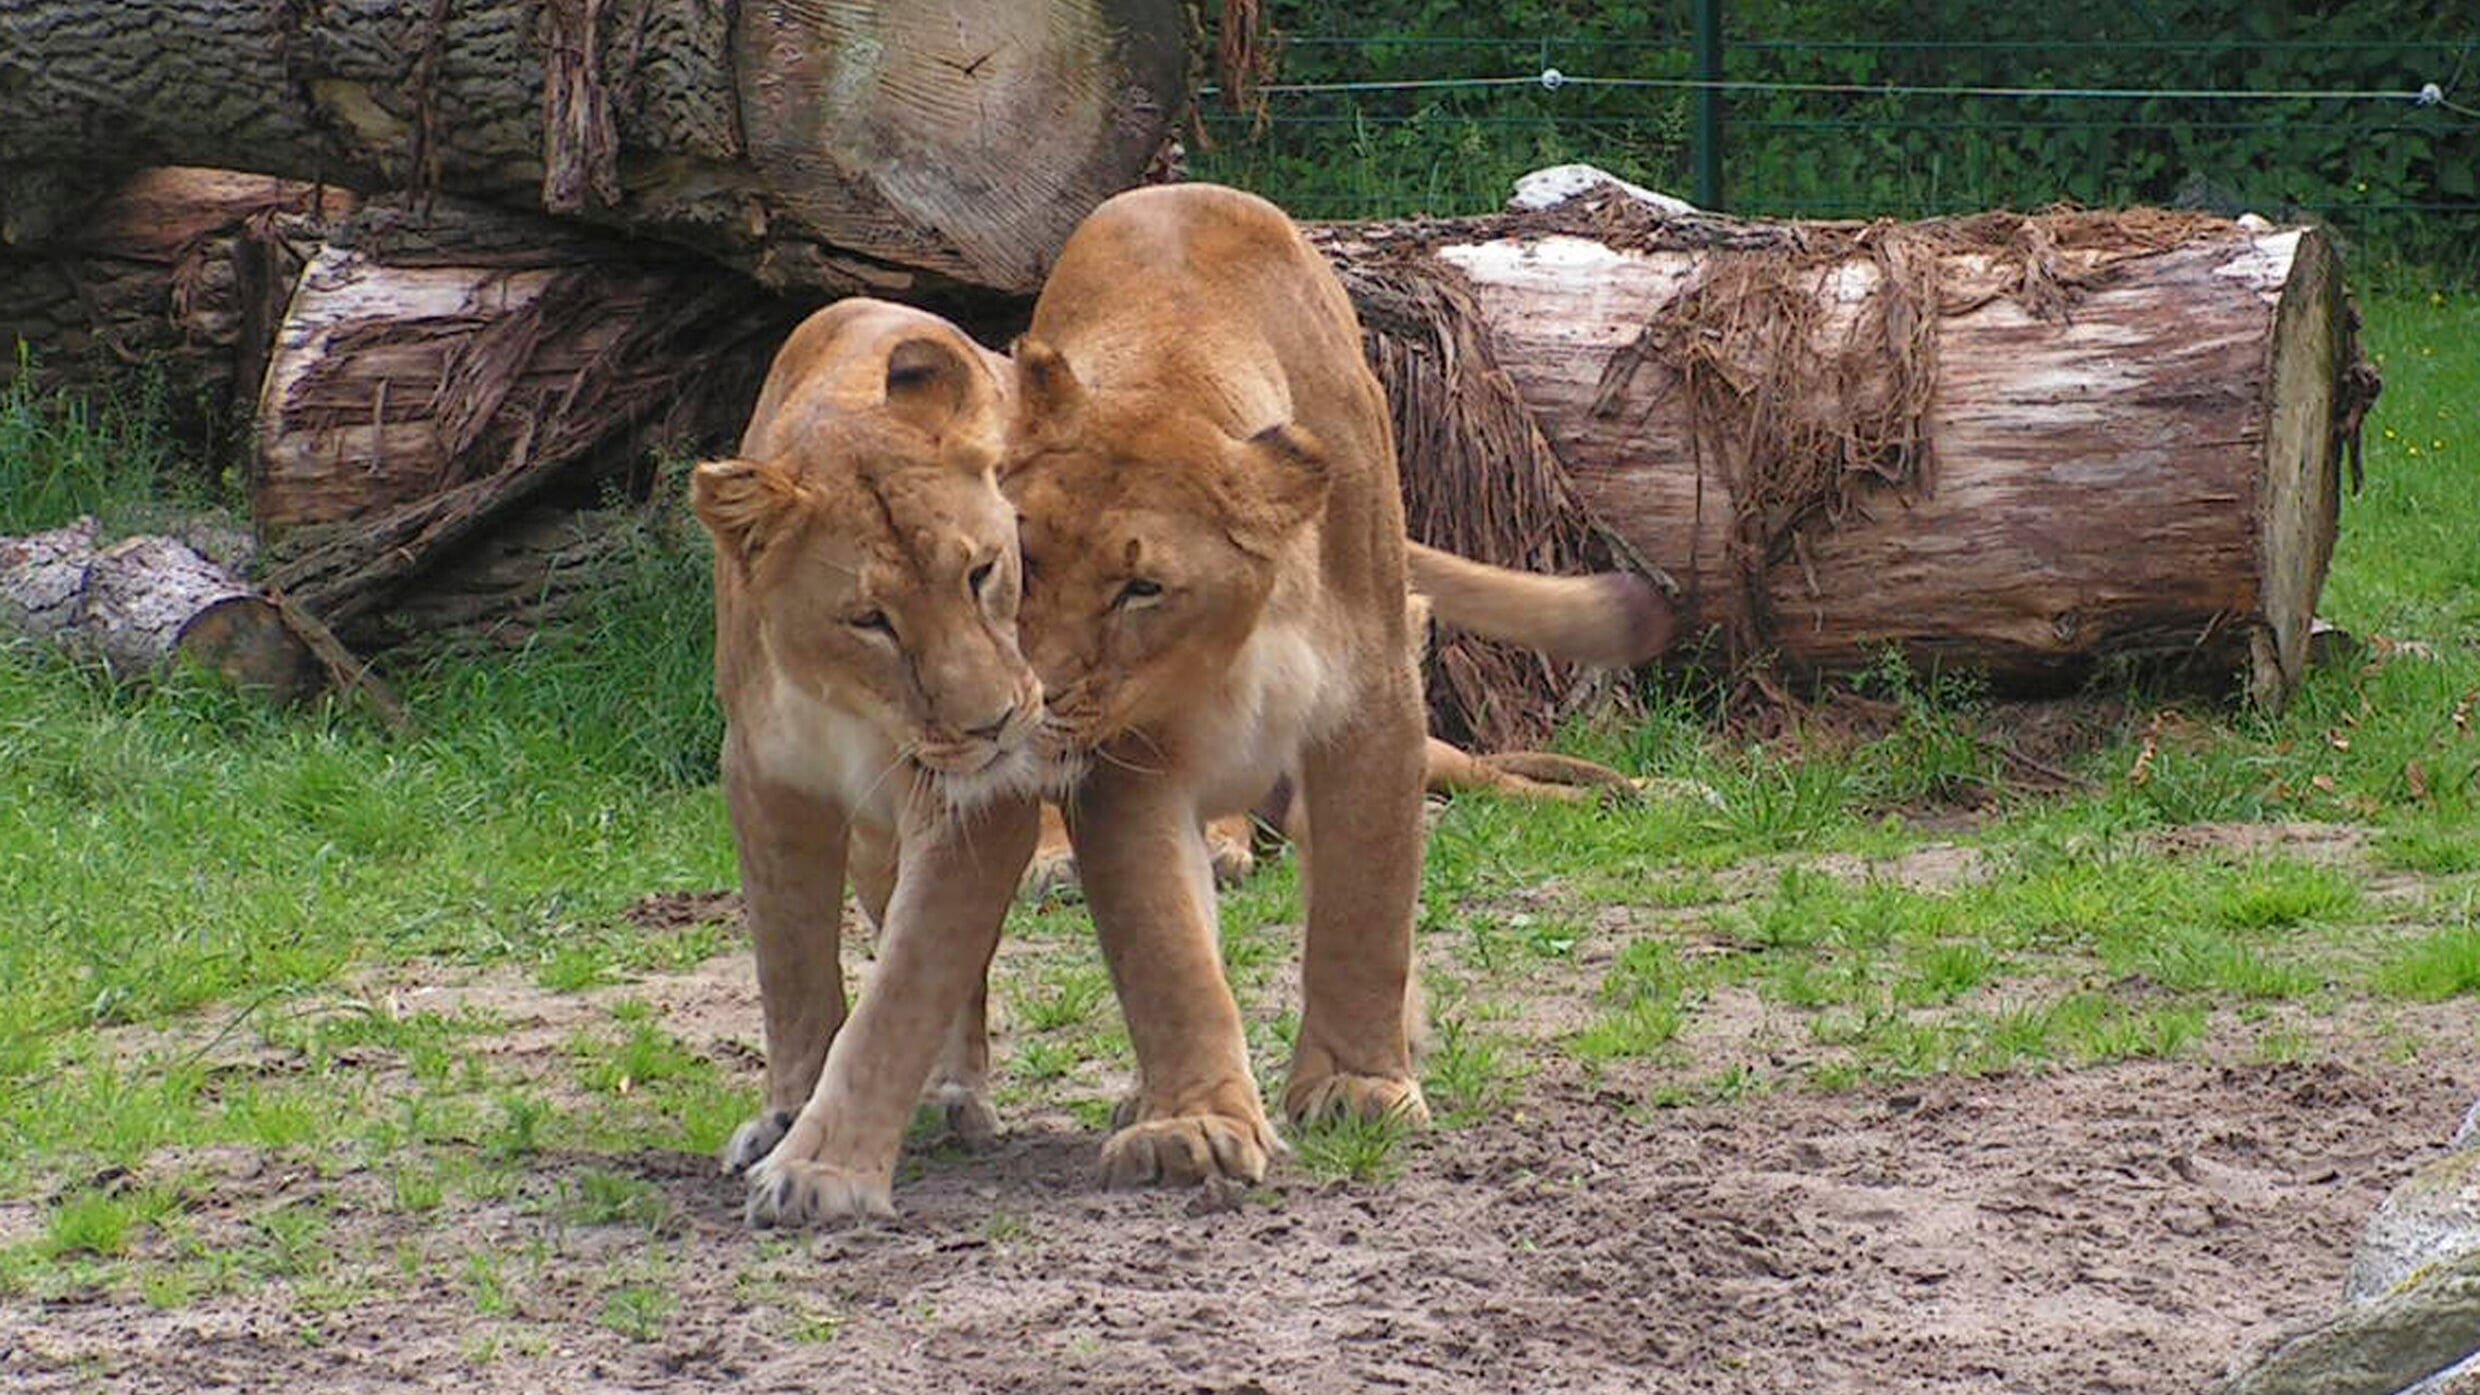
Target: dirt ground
2126,1228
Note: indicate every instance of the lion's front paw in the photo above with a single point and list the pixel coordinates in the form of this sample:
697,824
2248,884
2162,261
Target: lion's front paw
1343,1095
754,1140
799,1192
1186,1149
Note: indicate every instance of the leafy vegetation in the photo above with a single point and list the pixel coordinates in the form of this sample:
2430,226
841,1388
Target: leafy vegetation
1817,133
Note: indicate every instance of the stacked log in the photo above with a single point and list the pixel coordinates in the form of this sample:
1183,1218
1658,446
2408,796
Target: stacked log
175,275
2021,445
439,369
892,148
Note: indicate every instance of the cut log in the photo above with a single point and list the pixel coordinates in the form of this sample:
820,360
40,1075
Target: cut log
176,273
2014,445
136,604
496,344
895,148
433,371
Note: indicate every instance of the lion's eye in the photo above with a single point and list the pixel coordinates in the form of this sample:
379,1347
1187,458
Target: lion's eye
979,577
1139,590
872,622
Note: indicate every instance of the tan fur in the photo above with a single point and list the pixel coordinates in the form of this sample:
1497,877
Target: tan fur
1612,620
866,582
1213,533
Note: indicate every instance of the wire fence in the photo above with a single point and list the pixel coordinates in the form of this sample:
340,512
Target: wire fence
2378,138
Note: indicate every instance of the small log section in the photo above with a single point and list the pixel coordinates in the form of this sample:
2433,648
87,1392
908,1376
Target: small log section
2019,445
137,604
894,148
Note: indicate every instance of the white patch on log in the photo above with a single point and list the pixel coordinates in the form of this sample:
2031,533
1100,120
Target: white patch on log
1548,188
2266,264
1604,297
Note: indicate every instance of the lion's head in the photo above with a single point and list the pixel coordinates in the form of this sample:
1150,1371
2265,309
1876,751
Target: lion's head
872,561
1153,539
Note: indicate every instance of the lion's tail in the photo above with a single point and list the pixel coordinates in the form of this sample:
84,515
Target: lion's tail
1609,619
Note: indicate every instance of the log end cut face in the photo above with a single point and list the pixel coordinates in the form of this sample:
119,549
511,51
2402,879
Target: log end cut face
2301,493
966,139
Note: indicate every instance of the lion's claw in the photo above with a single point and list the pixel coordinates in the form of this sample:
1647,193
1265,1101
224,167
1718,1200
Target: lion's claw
967,1115
1233,861
1186,1149
801,1193
1363,1097
751,1142
1050,877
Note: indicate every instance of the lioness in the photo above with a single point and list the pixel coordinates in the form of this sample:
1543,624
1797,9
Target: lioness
1216,575
866,586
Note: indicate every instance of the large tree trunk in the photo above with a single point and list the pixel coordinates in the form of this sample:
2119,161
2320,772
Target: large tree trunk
2016,445
888,147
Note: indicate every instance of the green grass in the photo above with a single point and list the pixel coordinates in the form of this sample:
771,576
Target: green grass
1351,1150
112,458
640,1312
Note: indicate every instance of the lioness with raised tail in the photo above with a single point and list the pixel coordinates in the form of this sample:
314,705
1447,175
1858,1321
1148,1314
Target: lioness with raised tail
1216,574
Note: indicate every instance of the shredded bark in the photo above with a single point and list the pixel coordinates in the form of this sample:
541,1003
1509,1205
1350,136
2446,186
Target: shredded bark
581,143
1479,479
423,162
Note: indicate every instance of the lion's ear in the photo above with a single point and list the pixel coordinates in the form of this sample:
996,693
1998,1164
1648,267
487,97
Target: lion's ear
1049,399
1277,482
743,503
928,383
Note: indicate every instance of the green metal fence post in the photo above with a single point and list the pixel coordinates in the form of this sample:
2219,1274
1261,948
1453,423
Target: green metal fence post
1709,105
